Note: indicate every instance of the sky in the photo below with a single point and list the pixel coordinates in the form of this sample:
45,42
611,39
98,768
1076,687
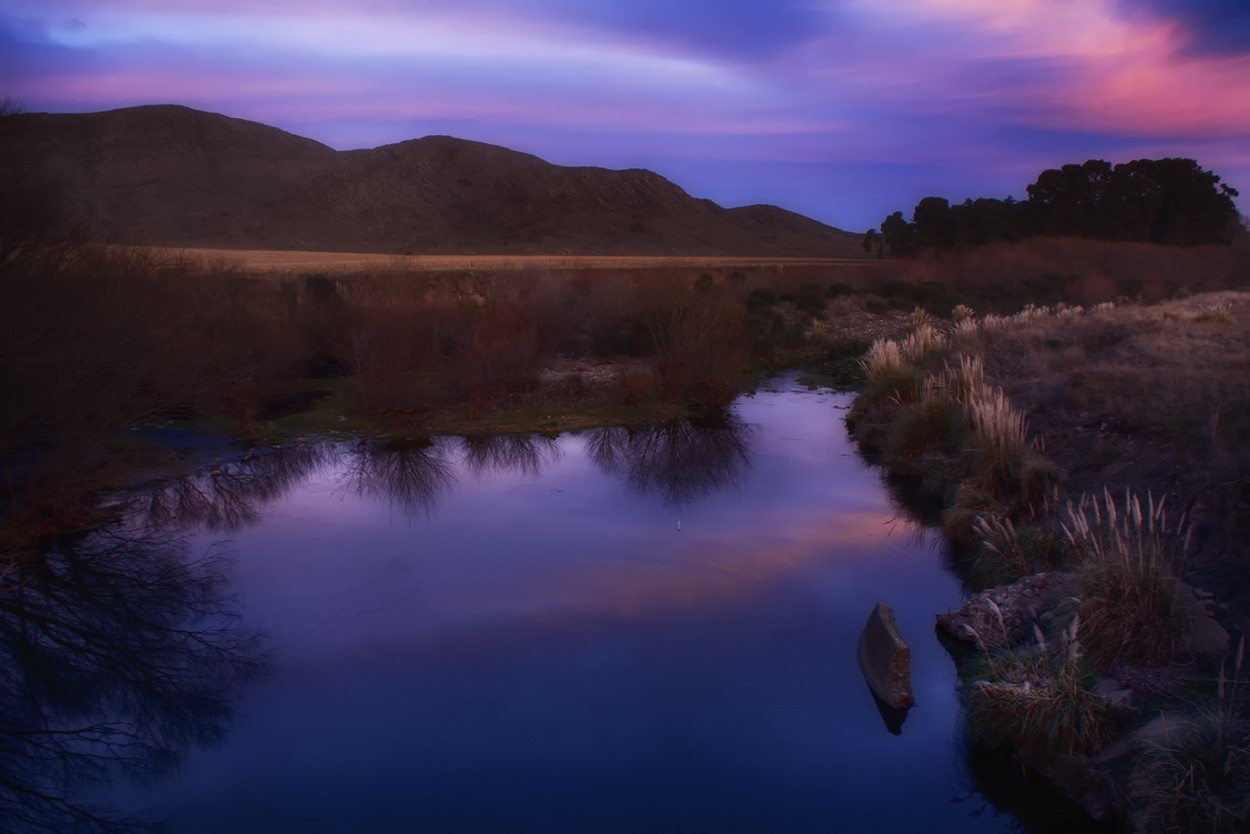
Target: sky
843,110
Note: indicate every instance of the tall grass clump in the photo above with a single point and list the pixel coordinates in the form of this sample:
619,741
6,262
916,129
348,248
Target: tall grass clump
1000,432
1005,474
991,323
965,330
1127,594
1195,774
1006,552
1220,313
890,376
965,381
922,343
1036,702
1003,460
962,312
922,433
883,359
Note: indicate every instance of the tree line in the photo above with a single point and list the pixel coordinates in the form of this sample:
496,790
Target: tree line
1172,201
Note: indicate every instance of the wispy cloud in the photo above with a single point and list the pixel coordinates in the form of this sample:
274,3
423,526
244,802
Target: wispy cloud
739,100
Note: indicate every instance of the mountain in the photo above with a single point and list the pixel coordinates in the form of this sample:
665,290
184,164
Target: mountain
174,176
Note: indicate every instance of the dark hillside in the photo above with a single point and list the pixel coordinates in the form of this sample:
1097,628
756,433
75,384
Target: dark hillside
174,176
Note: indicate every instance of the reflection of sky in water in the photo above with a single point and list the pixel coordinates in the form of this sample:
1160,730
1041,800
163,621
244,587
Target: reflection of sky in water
548,652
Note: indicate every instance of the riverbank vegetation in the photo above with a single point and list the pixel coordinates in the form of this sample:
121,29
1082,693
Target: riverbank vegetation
1100,451
96,338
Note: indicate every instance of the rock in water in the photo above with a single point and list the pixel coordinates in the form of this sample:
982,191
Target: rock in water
885,659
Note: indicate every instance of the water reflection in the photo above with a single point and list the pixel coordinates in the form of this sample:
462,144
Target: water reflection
118,653
411,474
678,461
1001,786
230,495
525,454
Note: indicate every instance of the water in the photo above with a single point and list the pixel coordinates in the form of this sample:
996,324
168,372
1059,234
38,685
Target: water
607,631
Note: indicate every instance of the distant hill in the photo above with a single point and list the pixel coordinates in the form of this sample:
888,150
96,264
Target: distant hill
174,176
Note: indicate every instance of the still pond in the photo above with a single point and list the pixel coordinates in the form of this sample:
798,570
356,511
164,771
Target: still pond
612,631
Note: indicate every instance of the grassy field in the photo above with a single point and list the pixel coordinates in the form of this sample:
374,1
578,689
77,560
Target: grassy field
286,260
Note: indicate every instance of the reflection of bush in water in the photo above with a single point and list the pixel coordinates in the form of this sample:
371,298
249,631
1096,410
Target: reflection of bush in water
681,460
525,454
998,784
118,655
411,473
230,495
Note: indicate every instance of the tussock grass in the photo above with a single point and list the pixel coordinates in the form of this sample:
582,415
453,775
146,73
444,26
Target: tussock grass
1002,459
884,358
1220,312
991,323
1001,432
1127,587
964,330
1006,552
1036,702
922,343
965,381
961,313
960,435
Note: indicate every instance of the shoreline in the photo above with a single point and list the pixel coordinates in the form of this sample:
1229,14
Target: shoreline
1040,630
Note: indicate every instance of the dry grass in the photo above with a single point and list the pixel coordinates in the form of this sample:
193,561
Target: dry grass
1152,398
286,260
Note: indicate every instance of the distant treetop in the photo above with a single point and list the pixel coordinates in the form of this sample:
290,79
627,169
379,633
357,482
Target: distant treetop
1171,201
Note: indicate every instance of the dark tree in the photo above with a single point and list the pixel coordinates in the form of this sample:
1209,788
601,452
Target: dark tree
932,224
1170,201
898,234
874,239
1189,205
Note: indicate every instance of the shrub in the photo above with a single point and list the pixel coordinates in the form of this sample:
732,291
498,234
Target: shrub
501,356
395,354
1036,702
877,306
701,344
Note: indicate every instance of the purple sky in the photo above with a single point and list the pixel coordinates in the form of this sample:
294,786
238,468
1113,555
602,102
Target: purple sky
844,110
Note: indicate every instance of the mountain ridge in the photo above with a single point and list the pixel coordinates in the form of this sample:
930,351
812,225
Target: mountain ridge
175,176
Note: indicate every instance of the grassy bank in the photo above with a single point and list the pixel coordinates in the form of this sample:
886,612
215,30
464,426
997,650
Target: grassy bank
1107,446
94,339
